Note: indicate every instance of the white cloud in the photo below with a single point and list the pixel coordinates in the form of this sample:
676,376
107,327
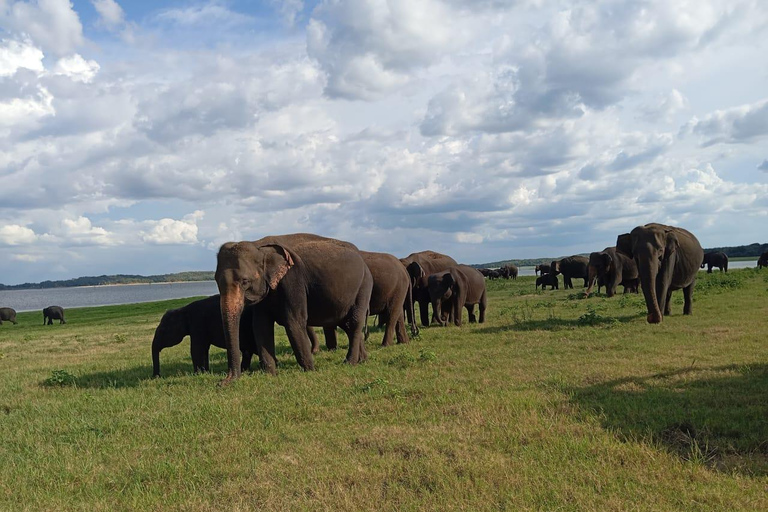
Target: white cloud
213,12
15,55
111,15
76,68
735,125
170,231
52,24
12,234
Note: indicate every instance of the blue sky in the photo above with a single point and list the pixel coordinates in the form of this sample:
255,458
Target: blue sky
139,136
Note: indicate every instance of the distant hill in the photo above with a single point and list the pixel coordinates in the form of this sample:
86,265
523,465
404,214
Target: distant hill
115,279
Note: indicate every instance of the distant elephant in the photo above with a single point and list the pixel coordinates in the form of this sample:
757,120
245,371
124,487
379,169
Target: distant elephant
8,314
763,260
484,271
494,274
458,287
668,258
52,313
715,259
300,280
544,269
509,271
391,289
614,268
423,264
572,267
545,280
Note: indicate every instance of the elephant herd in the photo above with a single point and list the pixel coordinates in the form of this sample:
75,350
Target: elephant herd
508,271
303,281
50,314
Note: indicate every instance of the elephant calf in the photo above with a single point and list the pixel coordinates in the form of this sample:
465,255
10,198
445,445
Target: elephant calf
612,268
52,313
456,288
8,314
715,259
545,280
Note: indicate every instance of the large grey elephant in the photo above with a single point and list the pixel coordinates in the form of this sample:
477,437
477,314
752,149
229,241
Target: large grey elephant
301,280
715,259
509,271
391,289
420,265
572,267
52,313
8,314
668,258
762,261
457,288
612,268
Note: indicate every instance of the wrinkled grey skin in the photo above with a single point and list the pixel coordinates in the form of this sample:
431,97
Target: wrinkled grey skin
8,314
420,265
668,258
545,280
456,288
572,267
300,280
543,268
391,289
715,259
762,261
52,313
613,268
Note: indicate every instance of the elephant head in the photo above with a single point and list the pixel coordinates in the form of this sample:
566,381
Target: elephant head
169,333
441,288
246,272
416,272
554,267
600,264
654,248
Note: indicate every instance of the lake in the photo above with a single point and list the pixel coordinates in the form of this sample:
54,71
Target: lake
80,296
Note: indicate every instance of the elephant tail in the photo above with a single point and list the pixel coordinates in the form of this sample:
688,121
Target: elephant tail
414,327
365,325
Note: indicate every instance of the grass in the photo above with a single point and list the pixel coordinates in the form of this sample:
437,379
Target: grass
555,403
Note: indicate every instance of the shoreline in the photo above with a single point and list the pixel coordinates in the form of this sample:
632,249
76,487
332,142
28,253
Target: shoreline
105,285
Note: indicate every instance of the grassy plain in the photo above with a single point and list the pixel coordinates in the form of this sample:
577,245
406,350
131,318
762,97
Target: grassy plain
555,403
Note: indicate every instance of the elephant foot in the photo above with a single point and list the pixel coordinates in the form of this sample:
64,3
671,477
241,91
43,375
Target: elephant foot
654,318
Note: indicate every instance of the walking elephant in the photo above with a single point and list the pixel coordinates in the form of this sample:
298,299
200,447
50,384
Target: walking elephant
668,258
715,259
52,313
423,264
8,314
456,288
544,269
301,280
613,268
572,267
545,280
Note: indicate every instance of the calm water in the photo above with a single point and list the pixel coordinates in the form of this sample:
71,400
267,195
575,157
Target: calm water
31,300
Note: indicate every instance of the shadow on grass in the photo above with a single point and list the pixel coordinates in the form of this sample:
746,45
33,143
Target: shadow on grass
556,324
715,416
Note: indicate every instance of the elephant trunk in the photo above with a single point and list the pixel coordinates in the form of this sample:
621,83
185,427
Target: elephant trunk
591,279
232,304
648,274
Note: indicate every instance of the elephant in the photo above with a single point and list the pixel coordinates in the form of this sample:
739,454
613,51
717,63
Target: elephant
543,268
547,280
456,288
668,258
763,260
509,271
572,267
8,314
613,268
484,271
300,280
52,313
423,264
494,274
715,259
391,289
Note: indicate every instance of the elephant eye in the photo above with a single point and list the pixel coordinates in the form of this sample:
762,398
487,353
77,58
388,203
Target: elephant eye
244,282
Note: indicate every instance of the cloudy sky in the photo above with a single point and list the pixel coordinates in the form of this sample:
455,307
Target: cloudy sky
137,136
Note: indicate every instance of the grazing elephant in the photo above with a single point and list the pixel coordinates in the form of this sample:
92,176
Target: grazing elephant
301,280
423,264
8,314
391,289
715,259
456,288
668,258
613,268
52,313
572,267
544,269
509,271
484,271
763,260
201,321
494,274
545,280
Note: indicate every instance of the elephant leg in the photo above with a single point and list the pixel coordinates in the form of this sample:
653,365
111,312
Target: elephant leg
199,351
296,329
400,331
383,319
424,312
50,320
471,313
356,352
331,342
482,306
313,340
245,362
688,297
389,329
264,337
668,303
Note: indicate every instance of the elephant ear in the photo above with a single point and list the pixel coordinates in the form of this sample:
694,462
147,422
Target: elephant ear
624,244
415,271
606,260
277,263
671,245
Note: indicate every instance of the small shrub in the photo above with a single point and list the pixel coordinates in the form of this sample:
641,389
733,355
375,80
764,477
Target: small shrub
592,318
427,356
60,378
120,338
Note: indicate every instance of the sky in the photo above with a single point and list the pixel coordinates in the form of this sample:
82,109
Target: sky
137,137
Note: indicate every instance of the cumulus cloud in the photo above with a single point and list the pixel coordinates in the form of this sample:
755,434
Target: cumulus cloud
13,234
15,55
170,231
76,68
53,24
735,125
111,15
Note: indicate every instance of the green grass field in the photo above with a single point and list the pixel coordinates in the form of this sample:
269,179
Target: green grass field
555,403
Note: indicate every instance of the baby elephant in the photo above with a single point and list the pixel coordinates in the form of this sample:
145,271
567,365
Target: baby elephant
52,313
8,314
547,280
456,288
